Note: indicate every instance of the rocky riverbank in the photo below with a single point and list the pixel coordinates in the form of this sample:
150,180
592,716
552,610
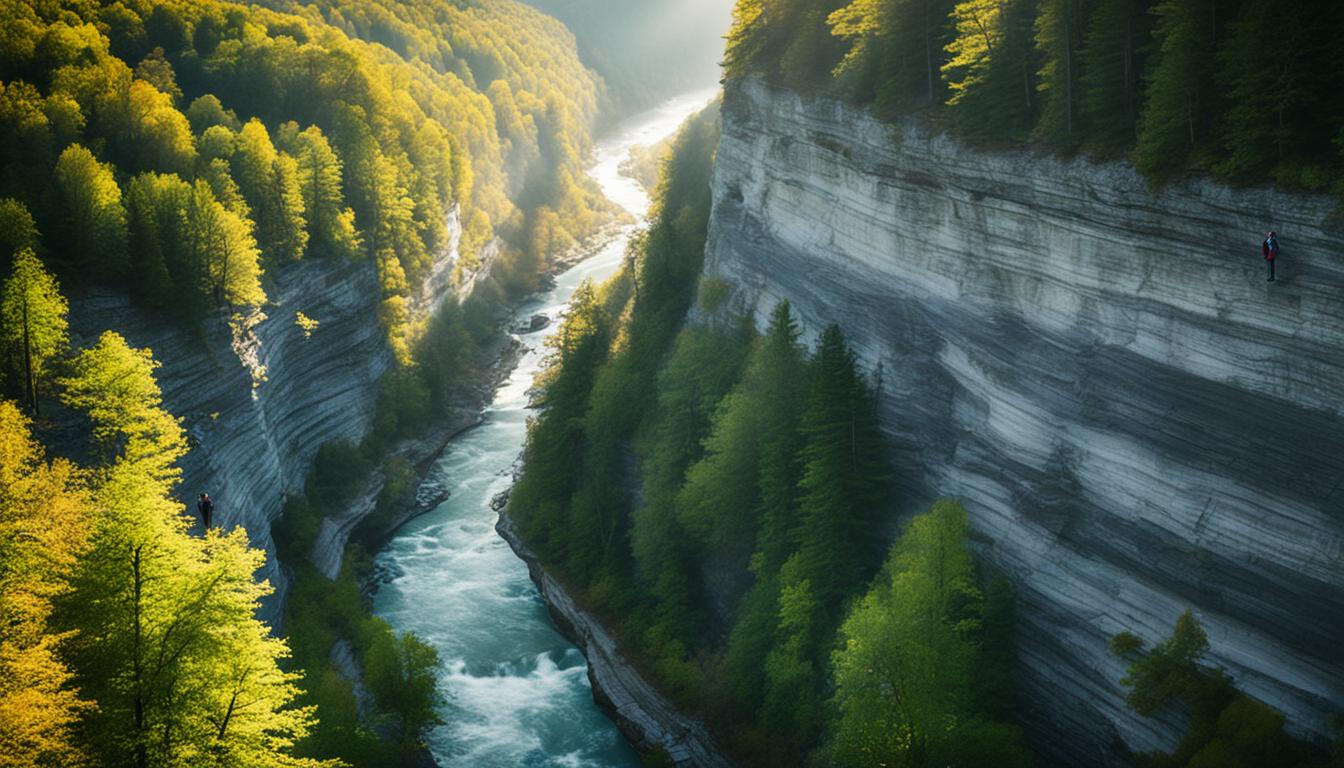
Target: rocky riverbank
647,718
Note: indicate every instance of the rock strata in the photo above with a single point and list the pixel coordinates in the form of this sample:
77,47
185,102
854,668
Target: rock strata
1138,424
257,404
647,718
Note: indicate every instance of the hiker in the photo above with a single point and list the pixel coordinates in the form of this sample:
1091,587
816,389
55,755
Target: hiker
205,506
1270,248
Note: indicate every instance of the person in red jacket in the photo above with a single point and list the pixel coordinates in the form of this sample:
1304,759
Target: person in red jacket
1270,248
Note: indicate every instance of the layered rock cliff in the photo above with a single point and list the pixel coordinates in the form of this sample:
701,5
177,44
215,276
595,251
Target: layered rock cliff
1136,421
257,405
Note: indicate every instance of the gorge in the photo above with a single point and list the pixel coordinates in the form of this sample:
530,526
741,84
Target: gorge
1136,423
915,397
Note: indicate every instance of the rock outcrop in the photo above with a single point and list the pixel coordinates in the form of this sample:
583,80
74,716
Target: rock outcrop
257,405
647,718
1137,422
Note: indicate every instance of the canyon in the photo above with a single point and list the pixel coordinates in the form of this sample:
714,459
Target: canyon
258,399
1136,421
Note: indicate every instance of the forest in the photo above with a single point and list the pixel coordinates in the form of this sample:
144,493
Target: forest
1249,91
719,492
184,152
717,489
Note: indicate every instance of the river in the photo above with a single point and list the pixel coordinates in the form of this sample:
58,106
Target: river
515,691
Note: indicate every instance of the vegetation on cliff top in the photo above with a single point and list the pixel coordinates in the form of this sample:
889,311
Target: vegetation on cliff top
193,146
1250,90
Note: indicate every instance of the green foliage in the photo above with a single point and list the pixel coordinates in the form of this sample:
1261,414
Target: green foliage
1169,669
319,614
339,470
1227,728
1274,124
32,322
44,508
163,627
897,52
992,70
1247,89
1059,36
18,231
352,127
1113,56
905,671
193,253
90,228
1178,95
400,672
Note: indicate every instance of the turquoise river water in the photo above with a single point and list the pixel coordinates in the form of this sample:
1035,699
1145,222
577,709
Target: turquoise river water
515,691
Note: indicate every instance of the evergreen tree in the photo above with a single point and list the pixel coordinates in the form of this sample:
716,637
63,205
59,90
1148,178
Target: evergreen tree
903,671
1178,100
703,365
32,321
555,439
897,51
1274,66
1112,63
992,68
92,222
843,483
782,365
1059,37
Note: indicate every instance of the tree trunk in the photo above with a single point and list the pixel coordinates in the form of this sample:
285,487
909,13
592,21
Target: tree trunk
29,381
137,667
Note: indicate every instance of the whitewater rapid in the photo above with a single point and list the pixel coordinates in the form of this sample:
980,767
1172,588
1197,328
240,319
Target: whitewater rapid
515,691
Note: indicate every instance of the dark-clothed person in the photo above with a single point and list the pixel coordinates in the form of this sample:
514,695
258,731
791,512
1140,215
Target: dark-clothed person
1270,249
206,507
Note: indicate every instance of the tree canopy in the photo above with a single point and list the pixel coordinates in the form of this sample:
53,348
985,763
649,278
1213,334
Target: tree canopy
1249,90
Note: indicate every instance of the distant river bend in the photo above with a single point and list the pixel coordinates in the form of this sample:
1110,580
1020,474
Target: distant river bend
516,692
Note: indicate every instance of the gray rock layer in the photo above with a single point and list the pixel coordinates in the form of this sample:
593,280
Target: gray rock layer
647,718
256,407
1137,422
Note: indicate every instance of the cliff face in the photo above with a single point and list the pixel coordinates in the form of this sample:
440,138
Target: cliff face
1137,422
256,406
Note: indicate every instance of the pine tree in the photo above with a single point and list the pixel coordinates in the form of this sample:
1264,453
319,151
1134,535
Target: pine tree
32,320
1112,62
1059,38
782,365
1272,84
897,51
843,480
1178,100
992,67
